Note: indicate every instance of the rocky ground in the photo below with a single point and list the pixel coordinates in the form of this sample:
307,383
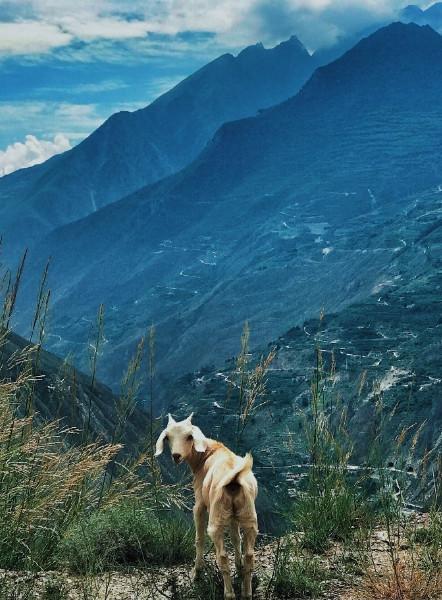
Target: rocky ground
350,577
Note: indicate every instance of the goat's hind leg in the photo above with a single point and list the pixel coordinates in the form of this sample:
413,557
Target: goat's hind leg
250,531
236,541
216,533
199,515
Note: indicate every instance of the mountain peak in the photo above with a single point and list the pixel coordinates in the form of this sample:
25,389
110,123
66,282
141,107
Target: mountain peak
396,39
293,43
398,28
290,46
429,16
384,65
434,10
412,10
254,49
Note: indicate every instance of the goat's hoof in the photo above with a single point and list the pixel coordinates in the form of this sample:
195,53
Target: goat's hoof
229,596
246,596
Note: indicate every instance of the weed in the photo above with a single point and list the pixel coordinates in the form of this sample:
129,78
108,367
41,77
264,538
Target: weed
125,535
296,574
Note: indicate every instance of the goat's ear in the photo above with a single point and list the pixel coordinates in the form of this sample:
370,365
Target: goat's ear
160,443
199,439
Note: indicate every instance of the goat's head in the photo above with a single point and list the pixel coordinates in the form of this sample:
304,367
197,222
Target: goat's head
183,439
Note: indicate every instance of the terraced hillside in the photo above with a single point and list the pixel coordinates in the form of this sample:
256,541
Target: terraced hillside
386,350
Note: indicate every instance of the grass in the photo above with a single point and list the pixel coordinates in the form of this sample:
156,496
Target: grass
405,582
58,487
296,574
207,587
126,535
46,484
330,505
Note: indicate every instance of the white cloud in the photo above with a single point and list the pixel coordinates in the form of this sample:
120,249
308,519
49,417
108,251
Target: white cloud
31,152
31,37
98,87
40,26
46,119
50,24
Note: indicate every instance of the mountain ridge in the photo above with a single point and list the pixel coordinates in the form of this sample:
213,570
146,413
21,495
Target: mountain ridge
131,150
266,206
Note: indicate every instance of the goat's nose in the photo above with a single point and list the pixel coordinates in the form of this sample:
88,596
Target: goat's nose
176,457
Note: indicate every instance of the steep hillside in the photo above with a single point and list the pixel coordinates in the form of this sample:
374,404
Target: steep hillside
62,392
131,150
271,223
386,350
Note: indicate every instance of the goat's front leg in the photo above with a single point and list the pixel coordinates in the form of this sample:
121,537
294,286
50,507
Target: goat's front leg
250,533
216,533
199,515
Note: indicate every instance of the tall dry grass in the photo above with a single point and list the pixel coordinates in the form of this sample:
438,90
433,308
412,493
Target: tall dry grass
52,478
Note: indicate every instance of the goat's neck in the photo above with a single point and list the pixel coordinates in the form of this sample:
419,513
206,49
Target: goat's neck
197,460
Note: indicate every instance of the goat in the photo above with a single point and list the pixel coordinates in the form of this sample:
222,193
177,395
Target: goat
226,489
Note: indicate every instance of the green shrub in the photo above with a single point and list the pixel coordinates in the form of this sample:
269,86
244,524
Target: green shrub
125,535
330,502
330,509
430,537
297,575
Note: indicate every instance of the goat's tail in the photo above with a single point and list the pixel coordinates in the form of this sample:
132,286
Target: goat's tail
233,481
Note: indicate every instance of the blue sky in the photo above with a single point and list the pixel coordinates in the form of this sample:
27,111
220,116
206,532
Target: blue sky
67,65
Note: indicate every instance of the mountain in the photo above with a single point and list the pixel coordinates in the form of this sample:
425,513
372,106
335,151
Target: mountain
430,16
273,221
131,150
62,392
386,352
412,14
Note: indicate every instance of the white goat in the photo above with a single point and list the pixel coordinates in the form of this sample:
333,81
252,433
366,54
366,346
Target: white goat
225,488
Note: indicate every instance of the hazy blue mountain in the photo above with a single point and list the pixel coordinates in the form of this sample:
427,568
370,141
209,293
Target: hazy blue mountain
131,150
410,14
430,16
271,223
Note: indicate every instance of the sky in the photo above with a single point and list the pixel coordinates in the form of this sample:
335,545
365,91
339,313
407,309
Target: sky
68,65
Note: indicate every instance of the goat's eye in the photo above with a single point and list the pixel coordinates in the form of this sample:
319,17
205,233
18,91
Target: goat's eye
189,438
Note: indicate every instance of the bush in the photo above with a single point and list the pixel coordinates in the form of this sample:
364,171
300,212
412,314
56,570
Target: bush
430,537
331,504
297,575
125,535
330,509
